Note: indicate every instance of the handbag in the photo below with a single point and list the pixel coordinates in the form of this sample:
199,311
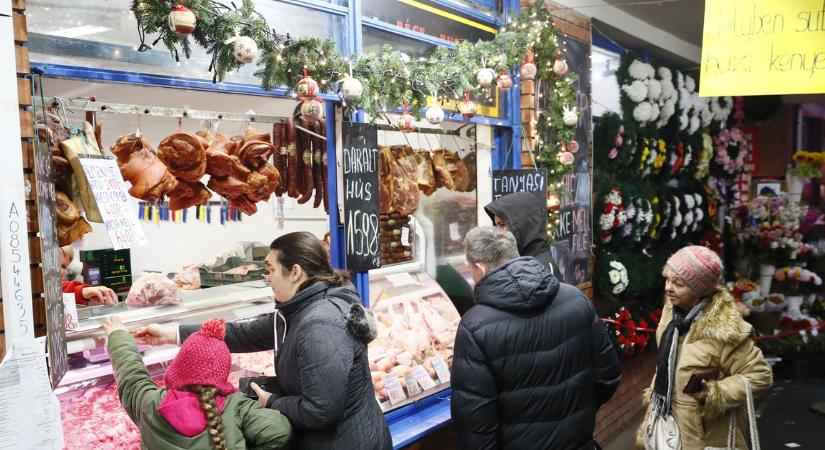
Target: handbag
754,433
662,433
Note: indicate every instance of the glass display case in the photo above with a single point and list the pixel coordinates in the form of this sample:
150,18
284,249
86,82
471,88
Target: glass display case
411,357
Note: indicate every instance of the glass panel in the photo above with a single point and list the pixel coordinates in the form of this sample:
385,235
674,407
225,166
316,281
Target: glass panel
429,18
375,38
411,355
103,34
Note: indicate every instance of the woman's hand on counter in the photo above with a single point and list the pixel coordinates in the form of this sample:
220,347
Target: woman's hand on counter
112,324
155,334
99,294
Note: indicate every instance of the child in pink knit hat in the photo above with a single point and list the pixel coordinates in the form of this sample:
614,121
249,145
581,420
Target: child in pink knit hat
199,408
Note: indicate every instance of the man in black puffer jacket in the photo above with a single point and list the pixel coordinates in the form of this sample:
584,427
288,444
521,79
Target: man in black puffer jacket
532,361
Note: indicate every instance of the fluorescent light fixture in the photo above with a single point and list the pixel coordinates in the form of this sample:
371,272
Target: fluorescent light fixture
83,30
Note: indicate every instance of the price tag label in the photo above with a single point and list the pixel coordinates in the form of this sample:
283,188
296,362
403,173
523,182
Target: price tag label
70,309
423,378
279,213
401,279
405,236
441,369
412,386
394,390
454,235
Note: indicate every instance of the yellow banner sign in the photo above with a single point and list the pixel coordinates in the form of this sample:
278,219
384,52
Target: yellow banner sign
761,47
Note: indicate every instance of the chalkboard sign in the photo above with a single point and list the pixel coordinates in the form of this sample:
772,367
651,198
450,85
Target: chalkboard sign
120,219
50,254
571,251
361,209
527,180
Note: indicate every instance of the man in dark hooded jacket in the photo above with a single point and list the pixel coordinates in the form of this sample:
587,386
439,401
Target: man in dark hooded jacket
532,362
523,214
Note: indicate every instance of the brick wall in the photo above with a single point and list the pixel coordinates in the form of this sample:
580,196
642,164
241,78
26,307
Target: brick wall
625,406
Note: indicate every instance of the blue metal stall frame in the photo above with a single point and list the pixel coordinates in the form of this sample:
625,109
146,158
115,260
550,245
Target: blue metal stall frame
411,422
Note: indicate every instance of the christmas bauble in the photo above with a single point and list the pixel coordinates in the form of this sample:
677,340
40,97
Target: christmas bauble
528,71
312,110
570,117
352,88
435,115
485,76
560,67
406,122
566,158
467,108
245,50
182,20
573,147
504,82
553,201
307,88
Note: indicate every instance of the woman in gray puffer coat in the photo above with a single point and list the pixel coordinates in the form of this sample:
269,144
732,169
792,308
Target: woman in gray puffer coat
320,332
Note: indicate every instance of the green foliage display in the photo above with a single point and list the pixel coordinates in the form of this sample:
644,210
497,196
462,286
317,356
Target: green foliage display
389,78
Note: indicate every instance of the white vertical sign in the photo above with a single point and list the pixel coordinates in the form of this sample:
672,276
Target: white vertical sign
29,410
14,239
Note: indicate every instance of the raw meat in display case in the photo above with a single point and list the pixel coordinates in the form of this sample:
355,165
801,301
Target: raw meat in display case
93,418
411,355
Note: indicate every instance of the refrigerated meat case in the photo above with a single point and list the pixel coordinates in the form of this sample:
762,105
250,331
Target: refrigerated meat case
90,409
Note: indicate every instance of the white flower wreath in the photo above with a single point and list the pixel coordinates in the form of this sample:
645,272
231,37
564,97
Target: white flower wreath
618,277
636,91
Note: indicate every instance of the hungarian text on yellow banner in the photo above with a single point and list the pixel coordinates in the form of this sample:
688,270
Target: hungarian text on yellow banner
761,47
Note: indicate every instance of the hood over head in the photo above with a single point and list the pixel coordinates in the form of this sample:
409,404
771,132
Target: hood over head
522,285
526,218
182,410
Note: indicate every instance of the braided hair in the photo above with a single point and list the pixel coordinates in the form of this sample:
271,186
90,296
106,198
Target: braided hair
206,395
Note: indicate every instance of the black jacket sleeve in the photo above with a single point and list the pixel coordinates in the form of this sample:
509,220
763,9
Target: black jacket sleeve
473,406
243,336
606,370
325,357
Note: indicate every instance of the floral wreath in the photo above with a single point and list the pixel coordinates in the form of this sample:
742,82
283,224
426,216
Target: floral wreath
618,277
690,104
661,155
703,169
677,218
644,219
648,156
613,216
728,141
657,219
632,333
649,94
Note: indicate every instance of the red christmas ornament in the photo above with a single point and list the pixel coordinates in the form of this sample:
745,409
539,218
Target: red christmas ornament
504,81
182,20
312,110
406,122
467,108
307,88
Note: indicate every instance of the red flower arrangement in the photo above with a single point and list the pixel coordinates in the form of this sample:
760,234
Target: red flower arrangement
633,334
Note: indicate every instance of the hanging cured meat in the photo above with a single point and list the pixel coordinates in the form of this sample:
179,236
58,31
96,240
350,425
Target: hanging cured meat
184,154
424,170
443,177
470,162
220,163
385,185
140,166
279,140
71,226
188,194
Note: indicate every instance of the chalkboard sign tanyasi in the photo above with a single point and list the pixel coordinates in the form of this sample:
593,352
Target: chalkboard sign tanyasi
533,181
361,209
527,180
50,253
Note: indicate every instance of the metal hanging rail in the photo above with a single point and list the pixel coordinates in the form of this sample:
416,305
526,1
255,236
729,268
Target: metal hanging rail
385,127
85,104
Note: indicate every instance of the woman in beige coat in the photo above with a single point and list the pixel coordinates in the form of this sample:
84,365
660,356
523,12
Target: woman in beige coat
701,329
